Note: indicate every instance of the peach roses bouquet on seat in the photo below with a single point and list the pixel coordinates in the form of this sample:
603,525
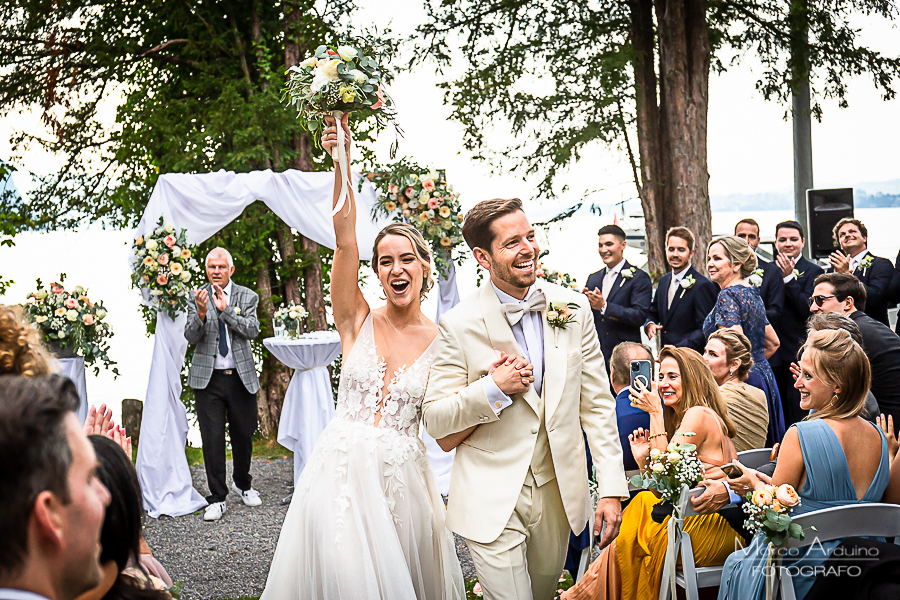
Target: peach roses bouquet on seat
769,508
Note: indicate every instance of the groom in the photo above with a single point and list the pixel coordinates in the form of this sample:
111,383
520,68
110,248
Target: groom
519,482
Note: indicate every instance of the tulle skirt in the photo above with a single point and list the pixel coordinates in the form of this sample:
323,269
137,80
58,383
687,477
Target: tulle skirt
366,522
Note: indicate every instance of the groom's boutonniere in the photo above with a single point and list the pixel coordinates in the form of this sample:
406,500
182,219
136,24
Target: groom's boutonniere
686,283
865,263
627,274
559,315
756,278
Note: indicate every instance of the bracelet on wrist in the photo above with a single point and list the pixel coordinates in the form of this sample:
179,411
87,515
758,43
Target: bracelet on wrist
655,435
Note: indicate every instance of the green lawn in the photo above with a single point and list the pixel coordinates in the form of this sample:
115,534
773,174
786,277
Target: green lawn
263,447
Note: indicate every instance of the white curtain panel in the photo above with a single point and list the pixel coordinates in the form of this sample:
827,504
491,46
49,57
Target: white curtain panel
203,204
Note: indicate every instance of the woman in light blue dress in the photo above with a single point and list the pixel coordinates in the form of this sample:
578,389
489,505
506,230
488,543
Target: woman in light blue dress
834,381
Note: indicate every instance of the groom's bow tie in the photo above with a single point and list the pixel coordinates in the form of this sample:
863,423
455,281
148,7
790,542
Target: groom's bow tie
514,311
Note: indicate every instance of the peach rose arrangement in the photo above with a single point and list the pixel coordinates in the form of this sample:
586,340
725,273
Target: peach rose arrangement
422,197
769,508
164,264
72,323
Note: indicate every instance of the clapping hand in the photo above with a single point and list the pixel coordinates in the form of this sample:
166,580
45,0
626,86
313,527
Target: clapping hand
595,298
220,301
201,297
785,264
886,422
840,262
99,421
513,375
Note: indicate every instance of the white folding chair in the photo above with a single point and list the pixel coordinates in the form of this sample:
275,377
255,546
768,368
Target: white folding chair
755,458
855,520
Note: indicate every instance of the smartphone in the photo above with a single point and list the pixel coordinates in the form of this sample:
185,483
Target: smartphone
732,470
641,371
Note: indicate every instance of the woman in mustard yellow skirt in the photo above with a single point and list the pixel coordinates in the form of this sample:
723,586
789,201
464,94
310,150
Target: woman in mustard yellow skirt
631,567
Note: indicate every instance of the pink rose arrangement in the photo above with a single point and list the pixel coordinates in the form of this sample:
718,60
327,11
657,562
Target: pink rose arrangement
71,323
164,265
412,194
563,279
768,510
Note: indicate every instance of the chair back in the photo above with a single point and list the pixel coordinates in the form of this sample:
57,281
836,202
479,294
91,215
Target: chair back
755,458
688,508
854,520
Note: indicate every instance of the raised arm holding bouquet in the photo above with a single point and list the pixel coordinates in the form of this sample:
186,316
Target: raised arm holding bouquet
335,81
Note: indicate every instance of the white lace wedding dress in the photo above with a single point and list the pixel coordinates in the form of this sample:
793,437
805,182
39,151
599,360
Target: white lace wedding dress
366,521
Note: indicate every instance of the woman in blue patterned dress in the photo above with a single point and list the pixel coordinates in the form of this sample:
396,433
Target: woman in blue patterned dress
729,261
833,381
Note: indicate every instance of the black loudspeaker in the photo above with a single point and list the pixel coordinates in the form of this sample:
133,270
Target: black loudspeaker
825,208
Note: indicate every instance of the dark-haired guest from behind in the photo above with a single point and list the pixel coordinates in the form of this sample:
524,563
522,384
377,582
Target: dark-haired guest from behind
619,294
854,258
683,297
799,280
845,294
52,504
123,576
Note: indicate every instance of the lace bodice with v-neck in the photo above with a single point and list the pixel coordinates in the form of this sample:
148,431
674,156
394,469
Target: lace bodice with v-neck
361,395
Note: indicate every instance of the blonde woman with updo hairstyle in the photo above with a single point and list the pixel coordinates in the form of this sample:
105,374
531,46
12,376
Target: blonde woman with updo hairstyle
730,262
21,350
366,519
832,458
728,354
685,407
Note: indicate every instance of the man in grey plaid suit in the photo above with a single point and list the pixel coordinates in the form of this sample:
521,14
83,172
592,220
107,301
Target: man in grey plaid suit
221,321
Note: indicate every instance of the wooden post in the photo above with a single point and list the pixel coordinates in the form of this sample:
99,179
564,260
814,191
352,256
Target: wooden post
132,412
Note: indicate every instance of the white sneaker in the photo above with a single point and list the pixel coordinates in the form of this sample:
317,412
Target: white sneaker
214,511
250,497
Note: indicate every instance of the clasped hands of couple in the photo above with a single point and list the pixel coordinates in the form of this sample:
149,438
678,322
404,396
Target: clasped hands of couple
202,298
716,483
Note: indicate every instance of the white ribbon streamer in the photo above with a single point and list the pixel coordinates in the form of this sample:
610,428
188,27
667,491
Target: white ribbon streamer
674,528
339,154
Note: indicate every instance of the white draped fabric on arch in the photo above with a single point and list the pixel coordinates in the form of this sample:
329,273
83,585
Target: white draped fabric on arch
203,204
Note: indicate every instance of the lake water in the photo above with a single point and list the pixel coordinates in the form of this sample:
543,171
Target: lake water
98,260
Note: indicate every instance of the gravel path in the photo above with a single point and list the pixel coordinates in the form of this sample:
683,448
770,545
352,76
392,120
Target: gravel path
230,558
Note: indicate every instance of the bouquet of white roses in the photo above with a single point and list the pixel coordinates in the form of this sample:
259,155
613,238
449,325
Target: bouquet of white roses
670,471
71,321
165,265
769,510
289,317
422,197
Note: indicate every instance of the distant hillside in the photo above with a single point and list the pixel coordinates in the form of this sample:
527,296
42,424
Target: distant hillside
865,195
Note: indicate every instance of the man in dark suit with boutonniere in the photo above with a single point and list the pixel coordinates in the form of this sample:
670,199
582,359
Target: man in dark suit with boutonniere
683,297
619,294
799,281
854,257
221,322
767,277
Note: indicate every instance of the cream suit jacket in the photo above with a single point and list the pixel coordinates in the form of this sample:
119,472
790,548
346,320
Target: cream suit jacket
491,465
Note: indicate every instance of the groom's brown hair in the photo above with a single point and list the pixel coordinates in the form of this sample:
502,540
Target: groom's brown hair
476,227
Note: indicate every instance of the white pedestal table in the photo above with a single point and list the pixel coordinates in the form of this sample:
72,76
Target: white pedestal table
308,403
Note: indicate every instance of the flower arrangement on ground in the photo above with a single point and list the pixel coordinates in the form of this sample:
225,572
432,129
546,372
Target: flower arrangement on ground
669,473
769,509
563,279
165,265
289,318
72,321
411,194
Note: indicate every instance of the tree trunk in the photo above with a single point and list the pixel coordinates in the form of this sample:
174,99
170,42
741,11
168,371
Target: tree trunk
275,376
684,92
651,186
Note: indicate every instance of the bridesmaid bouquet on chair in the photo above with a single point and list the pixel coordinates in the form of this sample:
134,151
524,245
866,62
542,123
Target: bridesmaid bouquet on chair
769,510
670,474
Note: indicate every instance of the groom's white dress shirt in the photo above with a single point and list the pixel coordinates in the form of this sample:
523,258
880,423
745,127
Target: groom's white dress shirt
12,594
529,334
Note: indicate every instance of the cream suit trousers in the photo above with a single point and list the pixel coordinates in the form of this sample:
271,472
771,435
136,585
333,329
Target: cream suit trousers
525,562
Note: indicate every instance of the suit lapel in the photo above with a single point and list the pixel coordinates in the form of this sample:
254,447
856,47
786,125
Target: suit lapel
555,351
501,336
662,297
211,305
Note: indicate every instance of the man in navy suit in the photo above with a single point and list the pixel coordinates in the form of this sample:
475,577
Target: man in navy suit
619,294
799,281
873,271
683,297
771,289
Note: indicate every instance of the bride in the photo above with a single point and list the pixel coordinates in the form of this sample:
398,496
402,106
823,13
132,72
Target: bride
366,520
